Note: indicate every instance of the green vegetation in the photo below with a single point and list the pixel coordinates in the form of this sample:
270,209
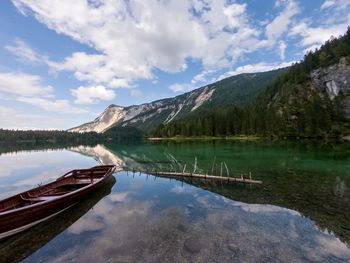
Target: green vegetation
64,137
56,136
239,89
290,106
123,134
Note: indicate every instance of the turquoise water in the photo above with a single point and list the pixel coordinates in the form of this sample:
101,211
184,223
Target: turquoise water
300,214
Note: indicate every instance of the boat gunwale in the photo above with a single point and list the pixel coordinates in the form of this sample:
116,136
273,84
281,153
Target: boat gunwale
108,172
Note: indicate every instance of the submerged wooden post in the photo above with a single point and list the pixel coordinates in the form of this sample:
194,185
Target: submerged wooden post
227,171
212,168
221,169
195,164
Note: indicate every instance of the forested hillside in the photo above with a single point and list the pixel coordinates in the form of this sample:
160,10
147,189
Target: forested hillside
311,99
235,90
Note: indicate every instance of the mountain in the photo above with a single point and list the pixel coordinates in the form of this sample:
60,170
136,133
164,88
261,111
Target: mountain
234,90
310,99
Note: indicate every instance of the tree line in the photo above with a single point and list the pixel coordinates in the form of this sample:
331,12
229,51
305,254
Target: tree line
57,136
288,107
61,136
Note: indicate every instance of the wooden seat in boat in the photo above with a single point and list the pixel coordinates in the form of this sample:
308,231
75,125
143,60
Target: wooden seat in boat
38,199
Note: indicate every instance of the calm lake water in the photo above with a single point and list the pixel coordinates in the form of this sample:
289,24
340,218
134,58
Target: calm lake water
300,214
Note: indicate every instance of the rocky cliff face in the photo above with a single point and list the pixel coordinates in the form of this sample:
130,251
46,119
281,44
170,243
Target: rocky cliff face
145,115
233,90
335,81
108,118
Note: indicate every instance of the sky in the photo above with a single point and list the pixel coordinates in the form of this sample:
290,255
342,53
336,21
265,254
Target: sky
63,62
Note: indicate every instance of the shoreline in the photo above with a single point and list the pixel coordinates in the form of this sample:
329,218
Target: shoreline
247,138
203,138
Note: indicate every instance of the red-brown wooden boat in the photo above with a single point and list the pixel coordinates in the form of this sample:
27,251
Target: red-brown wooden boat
29,208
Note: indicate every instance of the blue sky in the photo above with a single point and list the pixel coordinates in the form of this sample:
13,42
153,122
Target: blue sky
63,63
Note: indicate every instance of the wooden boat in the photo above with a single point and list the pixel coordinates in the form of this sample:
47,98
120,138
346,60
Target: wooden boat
29,208
21,246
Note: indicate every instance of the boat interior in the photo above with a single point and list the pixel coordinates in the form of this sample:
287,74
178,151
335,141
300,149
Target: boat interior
69,182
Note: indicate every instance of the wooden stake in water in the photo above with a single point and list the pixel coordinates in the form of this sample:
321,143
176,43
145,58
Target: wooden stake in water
227,172
212,168
195,164
221,169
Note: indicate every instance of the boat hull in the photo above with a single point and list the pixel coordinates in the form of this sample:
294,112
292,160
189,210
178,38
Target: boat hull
25,227
13,222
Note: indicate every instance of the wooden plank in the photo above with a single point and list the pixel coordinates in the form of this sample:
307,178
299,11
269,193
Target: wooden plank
204,176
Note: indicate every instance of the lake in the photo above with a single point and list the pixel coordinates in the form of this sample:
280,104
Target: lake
301,213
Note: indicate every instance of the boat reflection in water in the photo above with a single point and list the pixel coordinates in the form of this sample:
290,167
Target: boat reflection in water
300,213
20,246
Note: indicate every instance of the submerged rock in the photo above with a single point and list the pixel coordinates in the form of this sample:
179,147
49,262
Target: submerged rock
194,244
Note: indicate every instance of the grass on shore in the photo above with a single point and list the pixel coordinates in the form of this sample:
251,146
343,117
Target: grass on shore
184,138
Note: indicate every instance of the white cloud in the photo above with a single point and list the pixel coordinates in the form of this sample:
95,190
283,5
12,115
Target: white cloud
312,36
281,23
333,20
22,84
253,68
92,94
131,38
23,51
53,105
177,87
310,49
338,5
11,118
282,50
136,93
202,77
249,68
327,4
28,88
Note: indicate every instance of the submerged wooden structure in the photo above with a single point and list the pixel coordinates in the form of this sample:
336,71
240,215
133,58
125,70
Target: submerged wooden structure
31,207
168,174
178,170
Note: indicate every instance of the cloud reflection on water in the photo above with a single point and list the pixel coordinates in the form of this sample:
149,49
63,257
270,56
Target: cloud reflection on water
24,170
130,225
162,221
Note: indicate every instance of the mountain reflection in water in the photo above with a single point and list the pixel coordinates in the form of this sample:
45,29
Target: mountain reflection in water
300,213
157,220
321,196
